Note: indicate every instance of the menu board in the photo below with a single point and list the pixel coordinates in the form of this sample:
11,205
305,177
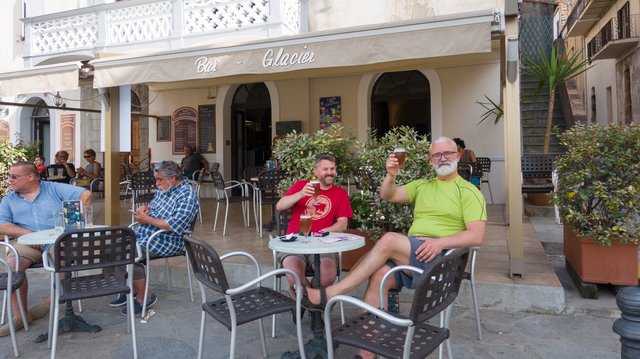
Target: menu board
185,121
207,128
67,135
164,129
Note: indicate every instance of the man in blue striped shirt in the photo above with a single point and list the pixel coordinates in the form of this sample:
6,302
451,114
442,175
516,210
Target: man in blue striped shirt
173,208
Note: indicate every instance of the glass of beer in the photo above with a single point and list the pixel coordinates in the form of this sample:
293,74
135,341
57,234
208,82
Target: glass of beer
305,225
316,188
401,154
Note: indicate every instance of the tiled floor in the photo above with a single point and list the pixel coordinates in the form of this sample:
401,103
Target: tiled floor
493,258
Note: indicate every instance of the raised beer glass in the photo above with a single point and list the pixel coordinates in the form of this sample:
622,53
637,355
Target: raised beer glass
401,154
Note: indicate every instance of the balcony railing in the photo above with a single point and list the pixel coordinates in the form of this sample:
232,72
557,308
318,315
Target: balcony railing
610,42
585,14
158,25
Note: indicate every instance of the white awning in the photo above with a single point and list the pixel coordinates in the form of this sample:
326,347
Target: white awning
48,78
434,37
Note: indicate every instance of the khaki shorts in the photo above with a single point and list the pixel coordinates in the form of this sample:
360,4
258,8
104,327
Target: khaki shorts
34,255
308,258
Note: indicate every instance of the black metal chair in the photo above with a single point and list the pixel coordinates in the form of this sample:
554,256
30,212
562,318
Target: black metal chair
143,187
484,166
83,252
11,281
224,194
240,305
268,193
465,171
394,335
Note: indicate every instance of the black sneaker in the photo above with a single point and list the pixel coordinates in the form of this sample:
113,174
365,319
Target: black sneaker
137,307
120,300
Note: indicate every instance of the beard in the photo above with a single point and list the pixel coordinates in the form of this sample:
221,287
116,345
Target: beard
445,168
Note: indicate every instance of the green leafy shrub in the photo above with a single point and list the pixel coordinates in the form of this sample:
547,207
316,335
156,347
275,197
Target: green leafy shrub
9,154
371,213
296,153
599,182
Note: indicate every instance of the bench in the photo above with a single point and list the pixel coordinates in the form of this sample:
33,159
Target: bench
536,173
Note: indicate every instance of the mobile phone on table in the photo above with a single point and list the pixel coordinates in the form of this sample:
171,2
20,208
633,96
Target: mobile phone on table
319,234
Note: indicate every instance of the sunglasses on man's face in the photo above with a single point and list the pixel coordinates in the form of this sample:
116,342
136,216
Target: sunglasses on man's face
15,177
88,156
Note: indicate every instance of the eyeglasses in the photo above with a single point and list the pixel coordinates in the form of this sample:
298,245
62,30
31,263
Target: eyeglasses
447,155
87,156
15,177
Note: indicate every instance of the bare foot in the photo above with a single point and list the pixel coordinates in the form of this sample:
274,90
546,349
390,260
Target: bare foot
313,295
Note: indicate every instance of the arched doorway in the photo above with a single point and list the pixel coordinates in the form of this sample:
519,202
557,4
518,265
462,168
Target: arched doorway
250,127
401,99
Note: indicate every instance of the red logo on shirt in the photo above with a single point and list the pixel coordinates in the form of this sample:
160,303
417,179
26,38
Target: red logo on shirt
321,209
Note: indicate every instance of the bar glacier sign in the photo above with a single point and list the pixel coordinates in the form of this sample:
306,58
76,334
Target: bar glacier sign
206,65
281,58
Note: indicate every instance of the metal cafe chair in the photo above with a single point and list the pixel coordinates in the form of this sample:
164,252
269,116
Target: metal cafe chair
267,193
143,187
87,251
11,281
224,194
240,305
398,336
465,170
145,256
3,314
484,164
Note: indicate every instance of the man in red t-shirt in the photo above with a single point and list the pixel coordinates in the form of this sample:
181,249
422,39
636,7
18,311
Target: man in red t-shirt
330,212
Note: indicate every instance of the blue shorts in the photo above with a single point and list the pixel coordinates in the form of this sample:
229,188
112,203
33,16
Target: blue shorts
404,280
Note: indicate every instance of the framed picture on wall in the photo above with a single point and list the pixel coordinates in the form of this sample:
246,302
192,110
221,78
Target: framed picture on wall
330,111
185,129
163,133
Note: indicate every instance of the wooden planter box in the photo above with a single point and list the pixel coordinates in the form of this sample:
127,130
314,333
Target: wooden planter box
349,258
595,263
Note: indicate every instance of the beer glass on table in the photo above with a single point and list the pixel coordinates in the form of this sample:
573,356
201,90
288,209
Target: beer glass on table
305,225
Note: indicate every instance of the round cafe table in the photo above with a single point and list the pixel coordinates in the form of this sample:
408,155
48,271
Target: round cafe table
70,321
335,242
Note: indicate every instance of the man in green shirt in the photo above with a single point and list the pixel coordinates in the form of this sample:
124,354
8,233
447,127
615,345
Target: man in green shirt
449,213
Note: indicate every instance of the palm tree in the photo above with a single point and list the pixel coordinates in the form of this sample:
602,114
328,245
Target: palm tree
552,70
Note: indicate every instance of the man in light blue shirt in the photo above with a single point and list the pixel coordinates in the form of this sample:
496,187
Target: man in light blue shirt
31,207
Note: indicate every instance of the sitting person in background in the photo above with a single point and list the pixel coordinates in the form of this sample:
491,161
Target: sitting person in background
91,171
192,162
173,208
31,207
39,162
63,172
330,212
468,157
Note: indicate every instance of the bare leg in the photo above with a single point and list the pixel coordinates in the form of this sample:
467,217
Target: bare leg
328,271
24,289
392,246
138,288
298,266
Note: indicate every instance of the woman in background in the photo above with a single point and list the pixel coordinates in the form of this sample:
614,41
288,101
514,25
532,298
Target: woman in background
93,169
468,157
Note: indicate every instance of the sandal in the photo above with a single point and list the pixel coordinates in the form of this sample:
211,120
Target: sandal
307,304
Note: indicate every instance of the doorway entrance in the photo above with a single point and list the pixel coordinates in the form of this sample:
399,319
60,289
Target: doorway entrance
250,128
41,125
401,99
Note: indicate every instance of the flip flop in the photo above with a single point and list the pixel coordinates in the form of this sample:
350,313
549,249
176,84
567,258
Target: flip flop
307,304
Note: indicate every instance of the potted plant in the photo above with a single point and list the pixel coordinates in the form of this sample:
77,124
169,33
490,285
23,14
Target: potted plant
599,200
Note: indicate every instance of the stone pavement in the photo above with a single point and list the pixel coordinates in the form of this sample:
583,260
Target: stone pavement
173,333
582,330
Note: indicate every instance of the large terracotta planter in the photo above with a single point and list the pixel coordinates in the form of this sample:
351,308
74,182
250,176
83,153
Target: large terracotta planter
539,199
594,263
349,258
